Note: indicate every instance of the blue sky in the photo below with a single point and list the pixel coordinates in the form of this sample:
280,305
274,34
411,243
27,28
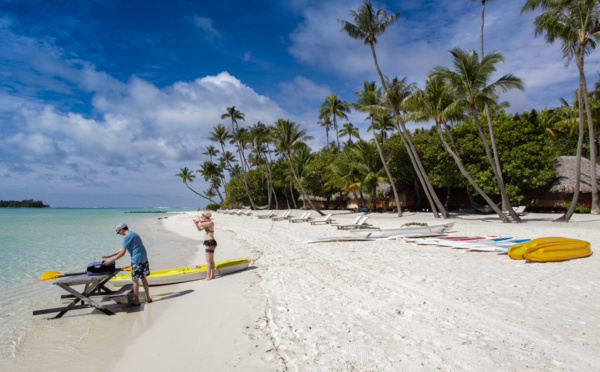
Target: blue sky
103,101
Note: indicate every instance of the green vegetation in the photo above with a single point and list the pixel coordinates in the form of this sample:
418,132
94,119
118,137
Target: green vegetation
27,203
213,207
474,144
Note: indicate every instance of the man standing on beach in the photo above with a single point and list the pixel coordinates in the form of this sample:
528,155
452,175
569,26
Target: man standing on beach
140,268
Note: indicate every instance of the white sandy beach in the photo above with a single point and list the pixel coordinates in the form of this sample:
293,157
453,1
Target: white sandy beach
348,306
374,306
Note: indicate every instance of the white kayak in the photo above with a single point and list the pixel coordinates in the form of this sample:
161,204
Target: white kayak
340,239
412,230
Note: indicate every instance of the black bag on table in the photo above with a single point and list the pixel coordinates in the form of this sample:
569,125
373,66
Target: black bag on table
97,268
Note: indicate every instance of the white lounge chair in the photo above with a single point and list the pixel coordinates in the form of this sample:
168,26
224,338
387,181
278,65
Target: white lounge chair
305,218
285,216
360,224
520,210
356,219
268,215
326,220
246,213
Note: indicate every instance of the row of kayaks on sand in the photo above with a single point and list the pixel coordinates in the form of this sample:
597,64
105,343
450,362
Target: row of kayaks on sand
185,274
544,249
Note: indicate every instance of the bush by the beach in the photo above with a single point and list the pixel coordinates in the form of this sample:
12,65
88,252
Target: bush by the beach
578,208
213,207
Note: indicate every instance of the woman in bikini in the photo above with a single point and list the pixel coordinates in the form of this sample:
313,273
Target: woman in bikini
206,224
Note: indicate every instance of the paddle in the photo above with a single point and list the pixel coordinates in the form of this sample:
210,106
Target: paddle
51,275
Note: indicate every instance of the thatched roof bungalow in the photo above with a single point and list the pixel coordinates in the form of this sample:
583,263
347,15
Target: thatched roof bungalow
561,190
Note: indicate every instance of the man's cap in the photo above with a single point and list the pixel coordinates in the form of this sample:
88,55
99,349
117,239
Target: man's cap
121,226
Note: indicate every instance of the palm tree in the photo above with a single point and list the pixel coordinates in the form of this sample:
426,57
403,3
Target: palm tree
351,131
369,166
238,138
326,122
211,151
336,108
505,202
382,120
221,134
300,161
235,115
211,173
259,138
368,25
469,81
577,24
369,99
435,102
398,92
187,176
289,138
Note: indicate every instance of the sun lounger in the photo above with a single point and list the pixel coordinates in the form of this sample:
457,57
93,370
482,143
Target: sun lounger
520,210
268,215
360,223
247,213
326,220
285,216
305,218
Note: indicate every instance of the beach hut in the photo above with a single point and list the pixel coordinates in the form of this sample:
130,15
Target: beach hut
560,192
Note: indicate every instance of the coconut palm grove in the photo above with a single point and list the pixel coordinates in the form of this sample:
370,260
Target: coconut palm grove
473,154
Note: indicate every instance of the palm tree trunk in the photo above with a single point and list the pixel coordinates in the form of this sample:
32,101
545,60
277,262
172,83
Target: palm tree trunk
593,175
482,17
337,133
242,181
414,162
387,170
429,191
289,158
292,194
569,213
423,178
466,174
505,201
488,152
270,161
218,192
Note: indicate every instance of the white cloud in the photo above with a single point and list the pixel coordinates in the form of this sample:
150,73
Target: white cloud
302,91
207,26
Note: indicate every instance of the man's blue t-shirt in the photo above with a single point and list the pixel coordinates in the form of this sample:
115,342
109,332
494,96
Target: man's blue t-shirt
133,243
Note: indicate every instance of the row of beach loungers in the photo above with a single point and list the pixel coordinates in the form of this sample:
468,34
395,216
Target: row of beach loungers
360,222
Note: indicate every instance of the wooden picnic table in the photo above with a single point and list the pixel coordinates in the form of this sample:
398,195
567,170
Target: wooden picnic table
94,286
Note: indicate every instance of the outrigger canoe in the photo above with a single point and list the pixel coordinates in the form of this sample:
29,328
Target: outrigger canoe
185,274
403,231
550,249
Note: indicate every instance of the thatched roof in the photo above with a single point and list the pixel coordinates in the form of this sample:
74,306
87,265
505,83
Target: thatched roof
565,175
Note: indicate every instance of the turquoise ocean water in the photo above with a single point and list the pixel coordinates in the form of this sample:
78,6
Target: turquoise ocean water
33,241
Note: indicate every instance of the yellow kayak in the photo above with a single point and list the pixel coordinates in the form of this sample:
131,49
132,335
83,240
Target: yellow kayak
550,249
185,274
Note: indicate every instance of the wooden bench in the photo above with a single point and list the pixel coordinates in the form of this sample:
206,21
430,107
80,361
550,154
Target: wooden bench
124,295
